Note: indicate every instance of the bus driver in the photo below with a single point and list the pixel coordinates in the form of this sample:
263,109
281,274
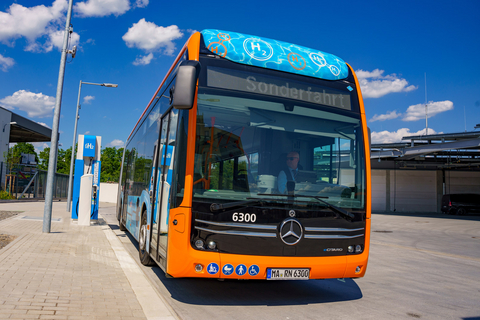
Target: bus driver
289,173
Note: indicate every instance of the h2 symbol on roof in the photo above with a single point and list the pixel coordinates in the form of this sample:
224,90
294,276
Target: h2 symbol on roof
89,146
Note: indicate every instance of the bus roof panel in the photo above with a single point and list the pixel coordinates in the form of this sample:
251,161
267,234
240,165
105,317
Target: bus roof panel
273,54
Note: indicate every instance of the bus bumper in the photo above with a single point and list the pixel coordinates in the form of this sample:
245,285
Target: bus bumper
228,266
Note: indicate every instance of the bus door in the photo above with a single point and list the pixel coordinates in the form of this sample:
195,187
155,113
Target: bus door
152,191
162,199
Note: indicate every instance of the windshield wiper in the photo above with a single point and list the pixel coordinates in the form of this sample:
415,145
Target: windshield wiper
338,210
214,207
319,198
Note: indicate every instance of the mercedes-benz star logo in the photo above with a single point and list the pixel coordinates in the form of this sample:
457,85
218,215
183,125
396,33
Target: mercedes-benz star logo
291,232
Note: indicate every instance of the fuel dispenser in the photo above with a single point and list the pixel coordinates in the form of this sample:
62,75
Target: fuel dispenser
86,183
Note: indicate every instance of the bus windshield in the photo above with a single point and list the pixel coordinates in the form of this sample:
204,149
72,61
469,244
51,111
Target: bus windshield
244,142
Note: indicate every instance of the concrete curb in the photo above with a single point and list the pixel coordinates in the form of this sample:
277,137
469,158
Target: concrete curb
153,305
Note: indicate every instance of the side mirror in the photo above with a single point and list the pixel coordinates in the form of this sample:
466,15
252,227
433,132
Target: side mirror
184,92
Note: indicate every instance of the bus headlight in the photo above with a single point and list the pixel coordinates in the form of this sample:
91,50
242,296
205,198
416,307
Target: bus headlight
198,268
212,245
199,244
350,249
358,248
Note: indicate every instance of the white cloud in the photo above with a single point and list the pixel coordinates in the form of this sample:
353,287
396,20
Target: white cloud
377,73
375,85
388,116
56,40
396,136
33,23
34,104
5,63
417,111
116,143
101,8
150,37
88,99
87,132
141,3
39,146
143,60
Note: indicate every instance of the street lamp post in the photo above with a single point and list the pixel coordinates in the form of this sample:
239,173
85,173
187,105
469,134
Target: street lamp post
70,180
47,210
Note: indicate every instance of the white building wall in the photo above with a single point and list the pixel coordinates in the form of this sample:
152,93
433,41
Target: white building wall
108,192
379,190
413,191
462,182
417,190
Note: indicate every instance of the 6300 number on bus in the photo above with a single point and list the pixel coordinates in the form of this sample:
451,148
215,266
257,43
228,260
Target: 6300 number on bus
244,217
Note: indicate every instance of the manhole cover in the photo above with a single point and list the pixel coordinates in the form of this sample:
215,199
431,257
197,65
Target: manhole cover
41,219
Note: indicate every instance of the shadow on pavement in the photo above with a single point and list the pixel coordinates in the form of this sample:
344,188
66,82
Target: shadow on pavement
259,292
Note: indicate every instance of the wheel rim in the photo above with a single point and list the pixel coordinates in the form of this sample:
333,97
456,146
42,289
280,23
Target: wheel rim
143,236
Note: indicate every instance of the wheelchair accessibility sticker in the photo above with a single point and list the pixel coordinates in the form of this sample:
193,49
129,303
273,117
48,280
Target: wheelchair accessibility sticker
253,270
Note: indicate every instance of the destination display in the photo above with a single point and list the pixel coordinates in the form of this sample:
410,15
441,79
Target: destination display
273,86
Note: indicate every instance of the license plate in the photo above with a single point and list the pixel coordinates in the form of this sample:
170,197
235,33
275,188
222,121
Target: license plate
288,274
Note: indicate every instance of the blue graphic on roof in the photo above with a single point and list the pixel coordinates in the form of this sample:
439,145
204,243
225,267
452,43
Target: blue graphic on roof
273,54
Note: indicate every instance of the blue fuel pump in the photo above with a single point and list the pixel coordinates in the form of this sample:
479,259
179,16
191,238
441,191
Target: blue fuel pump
87,162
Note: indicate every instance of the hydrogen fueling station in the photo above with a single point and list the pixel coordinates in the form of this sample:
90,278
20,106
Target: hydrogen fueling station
86,184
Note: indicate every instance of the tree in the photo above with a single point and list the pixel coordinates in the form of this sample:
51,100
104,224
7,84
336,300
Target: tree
63,159
44,156
111,163
13,156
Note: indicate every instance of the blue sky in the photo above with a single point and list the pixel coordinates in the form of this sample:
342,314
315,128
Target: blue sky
390,44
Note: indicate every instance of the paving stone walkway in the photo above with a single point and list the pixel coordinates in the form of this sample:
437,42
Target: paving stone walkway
70,273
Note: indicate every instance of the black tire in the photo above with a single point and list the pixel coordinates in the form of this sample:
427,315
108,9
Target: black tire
461,211
144,256
121,224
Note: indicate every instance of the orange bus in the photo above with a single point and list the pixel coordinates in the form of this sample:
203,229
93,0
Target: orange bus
251,161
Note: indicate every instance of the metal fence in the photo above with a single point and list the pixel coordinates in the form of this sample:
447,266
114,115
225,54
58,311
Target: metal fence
35,187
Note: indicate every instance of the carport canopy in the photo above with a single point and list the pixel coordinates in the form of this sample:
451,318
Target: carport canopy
450,150
24,130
